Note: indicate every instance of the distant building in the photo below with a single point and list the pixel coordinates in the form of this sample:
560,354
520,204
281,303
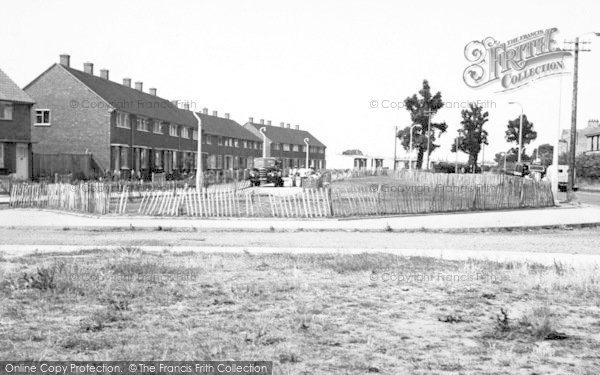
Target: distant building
593,140
288,144
15,129
583,141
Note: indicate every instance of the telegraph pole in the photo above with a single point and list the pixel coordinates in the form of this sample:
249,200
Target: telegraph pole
573,139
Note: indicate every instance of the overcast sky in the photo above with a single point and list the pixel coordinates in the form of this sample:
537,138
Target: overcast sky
318,64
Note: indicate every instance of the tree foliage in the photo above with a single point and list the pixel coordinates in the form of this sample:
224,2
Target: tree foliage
418,106
512,132
472,135
352,152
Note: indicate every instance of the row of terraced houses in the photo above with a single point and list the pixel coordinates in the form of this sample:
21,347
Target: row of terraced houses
128,132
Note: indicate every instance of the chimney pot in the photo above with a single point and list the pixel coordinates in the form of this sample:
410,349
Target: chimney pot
139,86
282,124
269,122
227,116
65,60
186,106
88,67
262,121
127,82
214,113
287,126
152,91
104,73
251,120
297,127
175,103
205,111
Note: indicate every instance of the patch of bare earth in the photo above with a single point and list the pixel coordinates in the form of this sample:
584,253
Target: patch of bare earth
309,314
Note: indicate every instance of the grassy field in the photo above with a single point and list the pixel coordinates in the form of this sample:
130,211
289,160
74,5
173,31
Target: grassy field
310,314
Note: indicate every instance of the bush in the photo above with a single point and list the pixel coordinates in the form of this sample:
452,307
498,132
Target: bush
588,166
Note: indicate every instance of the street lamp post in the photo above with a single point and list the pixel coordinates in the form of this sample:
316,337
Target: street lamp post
306,140
520,131
410,146
199,172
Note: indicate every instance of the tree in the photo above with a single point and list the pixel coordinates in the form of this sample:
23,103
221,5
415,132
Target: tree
418,108
352,152
472,135
512,133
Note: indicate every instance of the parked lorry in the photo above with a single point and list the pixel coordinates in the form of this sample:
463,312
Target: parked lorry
266,171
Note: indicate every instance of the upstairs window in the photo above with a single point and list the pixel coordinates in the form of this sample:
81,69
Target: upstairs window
157,127
184,133
286,147
142,124
296,148
195,135
220,141
173,130
6,111
42,117
123,120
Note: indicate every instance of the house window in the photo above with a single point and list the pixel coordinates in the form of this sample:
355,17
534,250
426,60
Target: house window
286,147
1,155
184,132
209,139
295,148
124,158
219,161
220,141
244,144
122,119
42,117
195,135
142,124
6,111
275,146
236,143
157,127
173,130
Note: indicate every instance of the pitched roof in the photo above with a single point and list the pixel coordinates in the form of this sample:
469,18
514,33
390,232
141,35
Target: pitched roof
9,90
134,101
278,134
225,127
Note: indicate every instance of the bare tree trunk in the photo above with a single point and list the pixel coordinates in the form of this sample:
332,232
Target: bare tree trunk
421,152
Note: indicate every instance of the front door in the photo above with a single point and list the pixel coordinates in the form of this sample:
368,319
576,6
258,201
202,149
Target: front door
22,170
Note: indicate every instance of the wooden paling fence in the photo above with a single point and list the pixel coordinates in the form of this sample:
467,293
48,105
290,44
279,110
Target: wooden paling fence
90,198
415,199
238,200
233,203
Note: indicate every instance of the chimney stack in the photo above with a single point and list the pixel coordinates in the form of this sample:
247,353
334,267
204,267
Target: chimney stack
282,125
297,127
88,67
251,120
152,91
65,60
215,113
104,73
175,103
269,122
227,116
287,126
262,121
186,106
205,111
127,82
593,123
139,86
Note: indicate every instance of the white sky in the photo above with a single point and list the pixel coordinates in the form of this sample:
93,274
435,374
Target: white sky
314,63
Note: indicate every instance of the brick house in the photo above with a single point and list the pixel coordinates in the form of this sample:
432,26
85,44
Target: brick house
15,130
288,144
128,131
226,145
